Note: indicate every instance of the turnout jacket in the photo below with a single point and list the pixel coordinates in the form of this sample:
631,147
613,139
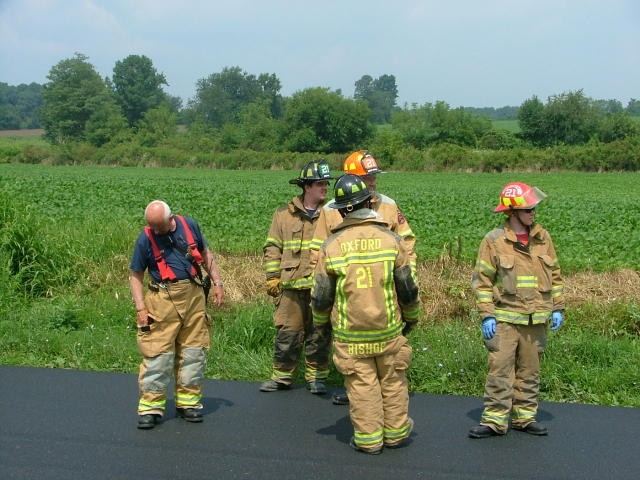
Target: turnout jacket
385,207
516,283
364,268
286,250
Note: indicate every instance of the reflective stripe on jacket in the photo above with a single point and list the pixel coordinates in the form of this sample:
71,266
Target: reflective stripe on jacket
286,250
517,284
359,263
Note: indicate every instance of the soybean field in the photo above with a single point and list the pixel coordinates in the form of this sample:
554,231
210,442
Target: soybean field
593,218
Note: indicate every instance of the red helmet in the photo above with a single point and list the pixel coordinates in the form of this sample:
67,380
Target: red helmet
361,163
518,196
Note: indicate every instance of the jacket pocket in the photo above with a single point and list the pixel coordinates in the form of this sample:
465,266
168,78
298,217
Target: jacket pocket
546,265
507,273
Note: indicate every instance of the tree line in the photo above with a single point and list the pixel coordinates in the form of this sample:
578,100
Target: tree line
234,110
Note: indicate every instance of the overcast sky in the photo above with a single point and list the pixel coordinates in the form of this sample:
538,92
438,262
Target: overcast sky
466,52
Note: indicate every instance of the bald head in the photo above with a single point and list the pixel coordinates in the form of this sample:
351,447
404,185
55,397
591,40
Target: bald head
158,217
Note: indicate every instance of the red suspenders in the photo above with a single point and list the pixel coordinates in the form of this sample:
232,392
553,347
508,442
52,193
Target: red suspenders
166,273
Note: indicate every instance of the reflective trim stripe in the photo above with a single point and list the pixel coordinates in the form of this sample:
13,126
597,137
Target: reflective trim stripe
335,263
320,318
276,242
411,314
523,414
521,318
311,373
389,293
406,233
368,439
557,290
187,399
485,267
271,267
397,433
352,336
483,296
316,243
299,283
282,377
146,405
527,281
495,417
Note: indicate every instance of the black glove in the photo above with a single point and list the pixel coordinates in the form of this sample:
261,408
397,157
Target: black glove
407,328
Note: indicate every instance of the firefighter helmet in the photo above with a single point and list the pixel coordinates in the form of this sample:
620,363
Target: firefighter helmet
519,196
361,163
313,171
349,190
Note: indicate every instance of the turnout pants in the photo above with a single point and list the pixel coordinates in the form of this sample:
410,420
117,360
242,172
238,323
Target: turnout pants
295,330
175,346
513,380
378,393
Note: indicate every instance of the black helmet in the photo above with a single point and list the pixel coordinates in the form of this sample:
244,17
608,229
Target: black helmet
350,190
312,172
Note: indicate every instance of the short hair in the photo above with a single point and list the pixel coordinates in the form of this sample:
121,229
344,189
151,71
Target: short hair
165,207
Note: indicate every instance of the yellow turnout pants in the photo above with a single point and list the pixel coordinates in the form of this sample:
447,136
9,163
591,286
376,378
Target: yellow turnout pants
513,379
174,347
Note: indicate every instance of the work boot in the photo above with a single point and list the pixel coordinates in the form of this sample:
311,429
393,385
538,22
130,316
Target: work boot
534,428
148,421
403,442
316,387
340,399
193,415
272,386
482,431
368,451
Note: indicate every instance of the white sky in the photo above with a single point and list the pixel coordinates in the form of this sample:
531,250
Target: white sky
466,52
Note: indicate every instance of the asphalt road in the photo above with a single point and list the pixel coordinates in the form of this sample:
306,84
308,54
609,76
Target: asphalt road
68,424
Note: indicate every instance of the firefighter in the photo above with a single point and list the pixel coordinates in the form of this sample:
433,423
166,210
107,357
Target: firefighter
365,269
288,273
518,290
363,164
173,327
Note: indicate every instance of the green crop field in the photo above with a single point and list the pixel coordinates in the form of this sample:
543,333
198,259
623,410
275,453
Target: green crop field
510,125
594,218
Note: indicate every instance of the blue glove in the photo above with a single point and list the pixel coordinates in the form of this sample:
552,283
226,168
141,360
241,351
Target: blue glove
556,320
488,328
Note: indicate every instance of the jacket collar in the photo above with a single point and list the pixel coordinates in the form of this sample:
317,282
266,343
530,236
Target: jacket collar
536,232
296,204
364,215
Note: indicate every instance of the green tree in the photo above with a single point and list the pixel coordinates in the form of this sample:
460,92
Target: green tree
633,107
76,96
319,120
380,93
220,97
19,106
532,121
570,119
618,126
156,125
431,124
138,86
